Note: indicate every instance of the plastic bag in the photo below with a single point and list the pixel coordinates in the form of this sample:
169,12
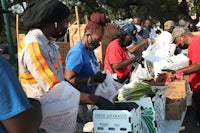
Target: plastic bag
108,88
139,73
60,108
189,94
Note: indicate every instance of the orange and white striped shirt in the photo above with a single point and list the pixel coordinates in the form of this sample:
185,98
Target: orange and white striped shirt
39,64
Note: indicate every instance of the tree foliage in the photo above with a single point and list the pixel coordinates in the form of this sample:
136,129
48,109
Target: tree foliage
157,10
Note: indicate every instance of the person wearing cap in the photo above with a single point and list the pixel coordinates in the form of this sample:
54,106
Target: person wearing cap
166,35
39,61
169,26
183,38
117,59
17,115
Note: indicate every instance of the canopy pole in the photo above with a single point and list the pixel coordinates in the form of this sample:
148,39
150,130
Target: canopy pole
8,34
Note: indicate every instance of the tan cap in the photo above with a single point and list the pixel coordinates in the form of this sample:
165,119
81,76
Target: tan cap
183,23
178,31
168,24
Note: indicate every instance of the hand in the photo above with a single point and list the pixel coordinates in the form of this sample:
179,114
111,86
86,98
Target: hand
179,75
138,59
103,103
150,40
99,77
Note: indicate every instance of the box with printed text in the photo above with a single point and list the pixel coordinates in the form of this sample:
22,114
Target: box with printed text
117,121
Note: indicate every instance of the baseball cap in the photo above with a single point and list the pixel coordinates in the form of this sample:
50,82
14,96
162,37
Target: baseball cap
4,11
130,29
178,31
183,23
168,24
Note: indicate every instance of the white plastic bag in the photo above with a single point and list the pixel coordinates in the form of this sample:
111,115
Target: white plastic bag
59,108
108,88
189,94
139,73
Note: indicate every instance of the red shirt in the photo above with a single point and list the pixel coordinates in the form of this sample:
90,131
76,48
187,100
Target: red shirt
116,54
194,56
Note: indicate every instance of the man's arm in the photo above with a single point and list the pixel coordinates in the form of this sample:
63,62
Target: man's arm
122,64
73,78
25,122
138,46
194,68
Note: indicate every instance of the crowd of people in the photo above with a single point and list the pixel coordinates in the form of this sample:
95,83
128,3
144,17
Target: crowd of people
40,66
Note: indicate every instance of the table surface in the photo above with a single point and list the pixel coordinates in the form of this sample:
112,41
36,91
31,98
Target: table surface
173,126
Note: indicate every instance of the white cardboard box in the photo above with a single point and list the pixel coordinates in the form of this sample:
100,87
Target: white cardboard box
117,121
147,103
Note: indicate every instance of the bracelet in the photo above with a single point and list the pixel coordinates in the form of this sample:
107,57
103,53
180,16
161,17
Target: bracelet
89,81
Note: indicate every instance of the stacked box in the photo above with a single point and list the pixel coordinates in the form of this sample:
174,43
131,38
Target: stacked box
117,121
175,109
177,94
159,103
147,115
176,89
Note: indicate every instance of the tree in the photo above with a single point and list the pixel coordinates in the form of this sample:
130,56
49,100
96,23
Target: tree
156,10
196,8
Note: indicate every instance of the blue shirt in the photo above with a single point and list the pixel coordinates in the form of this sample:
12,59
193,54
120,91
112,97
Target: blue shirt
13,99
83,62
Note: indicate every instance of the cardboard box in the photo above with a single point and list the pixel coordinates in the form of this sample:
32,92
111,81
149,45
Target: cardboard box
176,89
175,109
117,121
148,116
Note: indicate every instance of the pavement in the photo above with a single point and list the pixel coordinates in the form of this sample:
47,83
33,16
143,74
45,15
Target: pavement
189,124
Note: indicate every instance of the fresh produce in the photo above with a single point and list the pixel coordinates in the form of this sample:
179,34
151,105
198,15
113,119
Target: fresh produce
138,90
165,77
